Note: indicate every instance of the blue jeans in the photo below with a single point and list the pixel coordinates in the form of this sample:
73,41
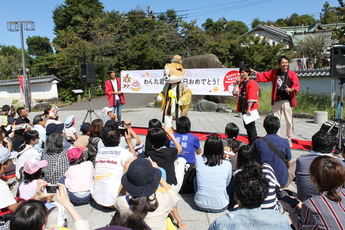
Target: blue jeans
118,109
74,198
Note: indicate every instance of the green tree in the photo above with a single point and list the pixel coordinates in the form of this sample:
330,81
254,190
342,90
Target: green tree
339,34
256,22
297,20
213,28
11,62
329,14
313,48
171,17
236,28
39,46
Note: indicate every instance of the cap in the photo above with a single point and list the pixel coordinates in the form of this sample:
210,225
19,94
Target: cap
74,153
106,110
85,127
32,166
69,121
54,128
11,119
5,154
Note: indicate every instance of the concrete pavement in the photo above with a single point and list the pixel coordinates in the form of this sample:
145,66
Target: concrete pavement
201,121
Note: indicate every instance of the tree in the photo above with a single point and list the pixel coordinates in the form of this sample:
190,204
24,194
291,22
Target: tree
171,17
256,22
213,28
297,20
313,48
339,34
329,14
11,62
39,46
236,28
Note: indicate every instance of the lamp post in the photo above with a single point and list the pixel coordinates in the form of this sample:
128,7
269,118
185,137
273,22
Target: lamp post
28,26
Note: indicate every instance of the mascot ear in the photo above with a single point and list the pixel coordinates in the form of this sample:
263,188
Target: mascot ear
179,68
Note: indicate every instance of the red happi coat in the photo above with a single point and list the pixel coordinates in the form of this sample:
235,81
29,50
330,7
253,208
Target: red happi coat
109,92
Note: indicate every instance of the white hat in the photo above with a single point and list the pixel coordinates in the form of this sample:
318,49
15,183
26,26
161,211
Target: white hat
5,154
106,110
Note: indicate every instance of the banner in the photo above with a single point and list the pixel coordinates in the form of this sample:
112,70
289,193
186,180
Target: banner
21,85
200,81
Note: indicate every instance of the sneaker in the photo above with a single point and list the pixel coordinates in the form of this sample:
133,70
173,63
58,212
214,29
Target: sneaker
290,142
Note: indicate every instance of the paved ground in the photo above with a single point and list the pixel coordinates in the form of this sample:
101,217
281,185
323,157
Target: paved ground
201,121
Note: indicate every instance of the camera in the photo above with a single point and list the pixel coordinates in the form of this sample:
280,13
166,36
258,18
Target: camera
122,128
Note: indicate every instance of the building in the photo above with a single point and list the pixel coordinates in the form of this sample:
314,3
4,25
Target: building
44,87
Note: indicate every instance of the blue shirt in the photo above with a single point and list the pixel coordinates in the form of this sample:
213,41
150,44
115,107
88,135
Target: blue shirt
189,143
266,155
246,219
211,184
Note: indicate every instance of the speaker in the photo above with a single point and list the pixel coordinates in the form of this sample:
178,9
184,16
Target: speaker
88,73
338,61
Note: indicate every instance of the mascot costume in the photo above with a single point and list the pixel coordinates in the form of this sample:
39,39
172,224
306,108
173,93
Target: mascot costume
176,96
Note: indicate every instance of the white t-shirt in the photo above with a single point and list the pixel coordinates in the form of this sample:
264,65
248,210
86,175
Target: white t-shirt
108,173
6,198
27,191
156,220
70,132
28,153
114,83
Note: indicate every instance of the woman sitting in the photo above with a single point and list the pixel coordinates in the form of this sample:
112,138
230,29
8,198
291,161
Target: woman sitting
246,158
146,205
326,210
213,175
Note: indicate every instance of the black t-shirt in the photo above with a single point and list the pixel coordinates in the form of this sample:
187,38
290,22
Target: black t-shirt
165,158
282,83
148,145
22,120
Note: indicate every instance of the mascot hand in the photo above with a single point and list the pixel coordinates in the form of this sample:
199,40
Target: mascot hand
159,98
180,103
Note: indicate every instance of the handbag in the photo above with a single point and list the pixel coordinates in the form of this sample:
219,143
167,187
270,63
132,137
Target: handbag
276,151
188,180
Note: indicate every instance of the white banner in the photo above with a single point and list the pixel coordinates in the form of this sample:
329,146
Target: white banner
200,81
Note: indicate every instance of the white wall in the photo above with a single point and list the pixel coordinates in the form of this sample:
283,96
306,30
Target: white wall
38,91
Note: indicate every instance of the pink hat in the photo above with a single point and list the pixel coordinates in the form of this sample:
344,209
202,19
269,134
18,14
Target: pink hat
32,166
74,153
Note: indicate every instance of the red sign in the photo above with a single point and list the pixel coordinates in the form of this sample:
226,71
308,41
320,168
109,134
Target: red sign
230,79
21,84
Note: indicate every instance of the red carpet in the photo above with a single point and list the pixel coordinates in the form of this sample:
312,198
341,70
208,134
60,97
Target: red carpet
296,144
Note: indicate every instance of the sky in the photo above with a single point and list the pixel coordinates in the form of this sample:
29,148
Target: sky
40,12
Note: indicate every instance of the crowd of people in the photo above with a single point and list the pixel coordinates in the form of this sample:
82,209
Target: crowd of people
111,167
108,165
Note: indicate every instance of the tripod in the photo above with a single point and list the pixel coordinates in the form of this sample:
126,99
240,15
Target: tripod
91,109
339,121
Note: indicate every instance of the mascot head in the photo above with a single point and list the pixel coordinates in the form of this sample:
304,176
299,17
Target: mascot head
173,72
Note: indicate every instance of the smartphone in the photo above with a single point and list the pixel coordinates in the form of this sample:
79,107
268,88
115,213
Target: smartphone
11,185
291,201
52,188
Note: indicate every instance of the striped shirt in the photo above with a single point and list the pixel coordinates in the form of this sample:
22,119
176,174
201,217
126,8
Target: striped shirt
319,212
271,201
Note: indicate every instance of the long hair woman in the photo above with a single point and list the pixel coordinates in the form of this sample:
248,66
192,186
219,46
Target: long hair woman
325,210
213,175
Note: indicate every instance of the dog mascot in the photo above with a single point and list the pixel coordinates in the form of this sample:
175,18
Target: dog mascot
176,96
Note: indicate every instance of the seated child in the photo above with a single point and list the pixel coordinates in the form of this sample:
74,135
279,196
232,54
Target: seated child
70,131
79,177
32,171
